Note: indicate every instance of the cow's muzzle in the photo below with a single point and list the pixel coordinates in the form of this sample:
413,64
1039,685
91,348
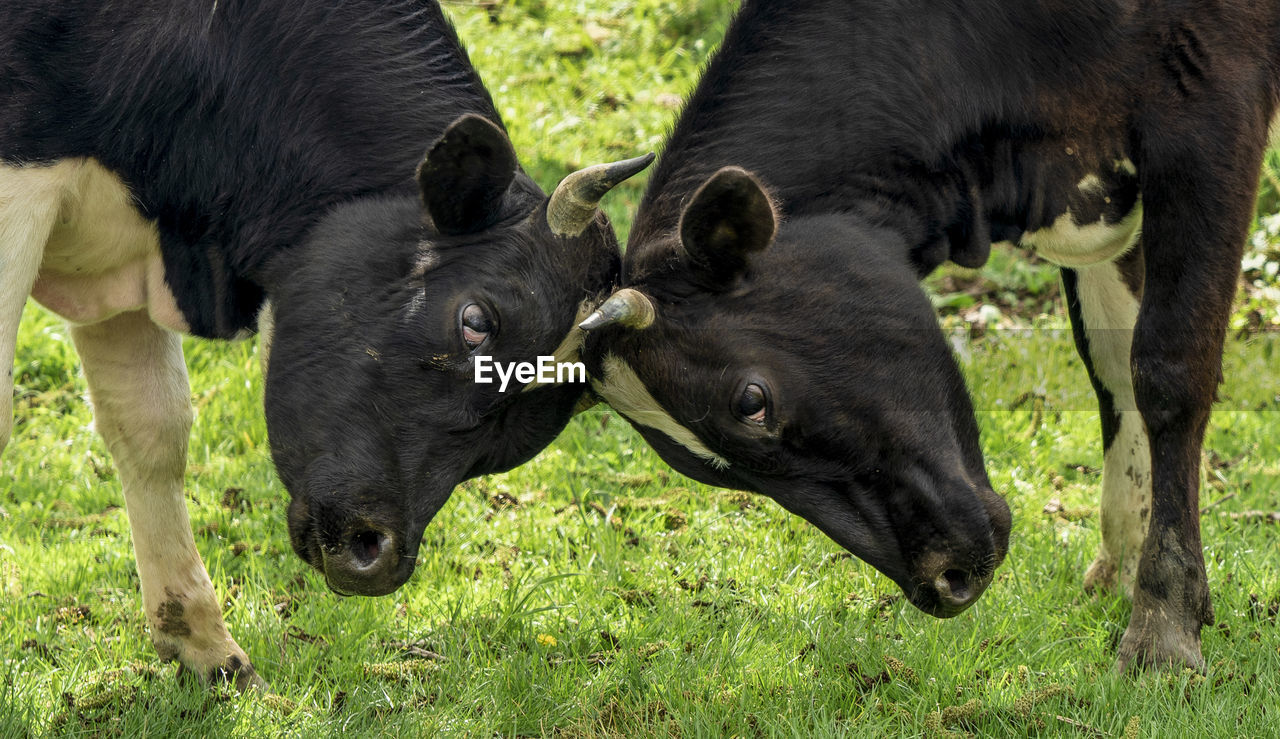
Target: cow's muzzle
368,560
945,588
358,555
950,579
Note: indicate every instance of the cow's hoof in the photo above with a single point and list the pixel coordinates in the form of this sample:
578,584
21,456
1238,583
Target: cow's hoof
235,670
1154,640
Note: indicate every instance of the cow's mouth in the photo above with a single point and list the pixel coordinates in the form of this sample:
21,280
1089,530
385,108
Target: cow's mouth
948,584
367,560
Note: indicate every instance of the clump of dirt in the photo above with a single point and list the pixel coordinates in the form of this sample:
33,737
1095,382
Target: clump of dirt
900,670
96,707
955,721
895,669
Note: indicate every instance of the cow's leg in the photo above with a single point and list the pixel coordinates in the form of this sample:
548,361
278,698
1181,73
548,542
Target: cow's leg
28,211
1198,186
142,408
1102,300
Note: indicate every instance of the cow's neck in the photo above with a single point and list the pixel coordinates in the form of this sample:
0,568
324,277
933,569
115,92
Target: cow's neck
357,225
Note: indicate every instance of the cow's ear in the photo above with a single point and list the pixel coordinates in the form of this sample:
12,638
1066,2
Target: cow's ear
729,218
465,174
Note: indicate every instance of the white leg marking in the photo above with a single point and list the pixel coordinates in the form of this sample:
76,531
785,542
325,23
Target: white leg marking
138,384
1126,507
625,393
266,332
30,198
1110,312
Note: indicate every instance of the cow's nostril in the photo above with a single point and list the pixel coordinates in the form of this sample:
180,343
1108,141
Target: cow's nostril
368,560
953,585
947,584
367,546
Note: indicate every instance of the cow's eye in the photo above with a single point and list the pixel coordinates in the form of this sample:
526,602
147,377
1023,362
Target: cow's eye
476,325
753,404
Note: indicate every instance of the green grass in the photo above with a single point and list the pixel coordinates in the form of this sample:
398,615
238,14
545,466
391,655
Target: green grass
593,591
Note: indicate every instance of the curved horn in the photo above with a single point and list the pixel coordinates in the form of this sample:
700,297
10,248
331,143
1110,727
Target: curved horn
573,205
626,307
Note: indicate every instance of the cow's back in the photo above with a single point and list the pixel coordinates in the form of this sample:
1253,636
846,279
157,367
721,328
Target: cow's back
234,124
951,108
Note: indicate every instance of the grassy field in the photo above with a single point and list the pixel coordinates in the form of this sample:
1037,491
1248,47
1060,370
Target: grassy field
594,592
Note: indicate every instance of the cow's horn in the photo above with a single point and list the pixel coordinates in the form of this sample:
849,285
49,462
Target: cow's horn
625,307
573,205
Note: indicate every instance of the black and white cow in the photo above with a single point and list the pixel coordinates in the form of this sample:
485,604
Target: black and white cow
167,166
771,335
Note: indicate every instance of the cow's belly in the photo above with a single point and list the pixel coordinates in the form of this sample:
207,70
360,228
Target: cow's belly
1070,244
102,257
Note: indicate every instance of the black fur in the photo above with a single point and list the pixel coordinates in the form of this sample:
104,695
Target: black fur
893,136
275,144
236,124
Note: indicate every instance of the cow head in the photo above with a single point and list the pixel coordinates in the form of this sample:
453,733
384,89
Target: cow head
803,361
372,408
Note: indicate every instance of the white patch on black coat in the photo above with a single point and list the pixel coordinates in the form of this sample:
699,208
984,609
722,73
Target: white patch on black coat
623,390
100,257
266,332
1109,310
1072,244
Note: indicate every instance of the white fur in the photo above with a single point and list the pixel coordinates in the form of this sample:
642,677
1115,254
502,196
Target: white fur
625,392
141,402
1092,184
101,256
1110,312
1071,245
29,207
266,332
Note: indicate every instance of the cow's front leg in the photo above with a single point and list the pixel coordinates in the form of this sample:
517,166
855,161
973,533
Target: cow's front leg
1198,187
1103,301
16,276
1171,600
142,407
29,202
